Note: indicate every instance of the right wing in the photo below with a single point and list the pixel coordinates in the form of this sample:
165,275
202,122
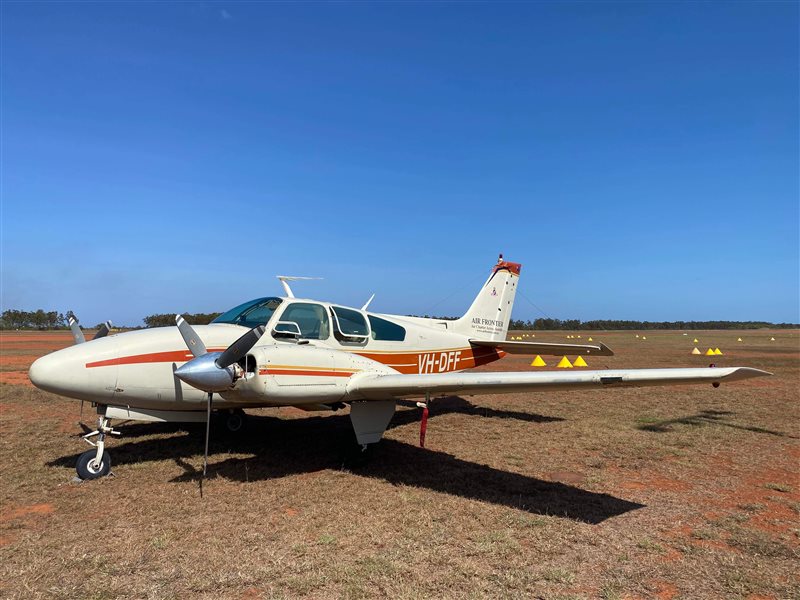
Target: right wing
377,386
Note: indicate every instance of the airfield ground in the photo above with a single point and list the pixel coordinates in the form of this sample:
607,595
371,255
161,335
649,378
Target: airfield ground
682,492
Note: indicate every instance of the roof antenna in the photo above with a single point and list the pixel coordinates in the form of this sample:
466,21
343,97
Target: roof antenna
285,279
366,304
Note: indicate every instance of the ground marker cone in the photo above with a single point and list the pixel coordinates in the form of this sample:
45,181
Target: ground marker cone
579,362
696,351
590,340
579,336
538,362
771,339
564,363
637,335
739,340
709,352
695,340
717,351
644,337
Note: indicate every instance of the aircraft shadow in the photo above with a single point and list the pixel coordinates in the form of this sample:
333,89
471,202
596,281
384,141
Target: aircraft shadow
707,417
284,447
439,407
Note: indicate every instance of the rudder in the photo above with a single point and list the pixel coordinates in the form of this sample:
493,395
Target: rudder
490,313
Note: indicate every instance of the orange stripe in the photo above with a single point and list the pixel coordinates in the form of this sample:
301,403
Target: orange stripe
408,363
305,373
152,357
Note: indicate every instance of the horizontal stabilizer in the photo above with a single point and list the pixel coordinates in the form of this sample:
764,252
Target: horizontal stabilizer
550,349
375,386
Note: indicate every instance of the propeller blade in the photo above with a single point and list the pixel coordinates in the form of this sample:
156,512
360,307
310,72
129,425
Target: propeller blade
103,331
77,334
193,341
240,347
208,432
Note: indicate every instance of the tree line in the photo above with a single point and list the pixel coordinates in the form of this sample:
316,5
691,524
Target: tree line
41,319
615,324
165,320
34,319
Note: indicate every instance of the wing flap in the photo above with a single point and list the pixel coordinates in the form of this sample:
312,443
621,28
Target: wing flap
546,348
375,386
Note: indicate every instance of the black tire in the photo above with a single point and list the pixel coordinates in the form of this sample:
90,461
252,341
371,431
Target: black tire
236,421
86,468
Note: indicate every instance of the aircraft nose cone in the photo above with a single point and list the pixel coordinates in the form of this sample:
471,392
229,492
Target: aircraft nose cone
43,373
65,372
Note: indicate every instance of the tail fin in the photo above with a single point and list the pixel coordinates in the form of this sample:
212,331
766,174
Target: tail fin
488,317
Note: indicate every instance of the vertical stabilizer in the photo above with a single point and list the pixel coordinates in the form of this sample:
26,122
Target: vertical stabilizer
488,317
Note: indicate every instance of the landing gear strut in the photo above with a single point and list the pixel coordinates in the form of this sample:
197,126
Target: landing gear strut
96,463
235,421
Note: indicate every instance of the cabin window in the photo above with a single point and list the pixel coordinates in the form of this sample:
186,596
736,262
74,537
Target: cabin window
351,326
310,318
387,331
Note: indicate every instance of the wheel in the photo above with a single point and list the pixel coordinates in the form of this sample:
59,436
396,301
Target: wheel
87,469
235,421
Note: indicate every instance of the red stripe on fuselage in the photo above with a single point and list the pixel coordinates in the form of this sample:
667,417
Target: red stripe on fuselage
403,362
152,357
305,373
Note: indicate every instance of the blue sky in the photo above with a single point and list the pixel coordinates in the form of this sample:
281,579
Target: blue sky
640,159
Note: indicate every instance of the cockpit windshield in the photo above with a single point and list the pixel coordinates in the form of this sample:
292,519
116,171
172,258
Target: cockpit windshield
250,314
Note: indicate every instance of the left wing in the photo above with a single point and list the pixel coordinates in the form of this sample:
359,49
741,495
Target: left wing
376,386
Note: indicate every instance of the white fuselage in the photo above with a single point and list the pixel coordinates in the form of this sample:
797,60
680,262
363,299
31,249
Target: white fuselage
136,369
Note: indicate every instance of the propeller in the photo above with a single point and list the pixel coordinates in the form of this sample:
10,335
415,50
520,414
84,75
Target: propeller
77,334
103,330
212,371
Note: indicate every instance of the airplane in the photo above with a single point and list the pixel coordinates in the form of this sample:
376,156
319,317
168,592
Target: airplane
288,351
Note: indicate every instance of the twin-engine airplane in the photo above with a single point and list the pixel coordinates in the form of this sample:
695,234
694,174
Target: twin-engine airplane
286,351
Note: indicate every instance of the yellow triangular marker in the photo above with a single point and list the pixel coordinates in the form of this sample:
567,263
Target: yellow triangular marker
579,362
739,340
710,352
696,351
695,340
538,362
637,335
579,336
771,339
564,363
590,340
644,337
717,351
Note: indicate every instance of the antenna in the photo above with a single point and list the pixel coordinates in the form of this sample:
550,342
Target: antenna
366,304
285,279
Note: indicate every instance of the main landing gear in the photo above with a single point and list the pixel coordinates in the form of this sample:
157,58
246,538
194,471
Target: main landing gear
96,463
235,420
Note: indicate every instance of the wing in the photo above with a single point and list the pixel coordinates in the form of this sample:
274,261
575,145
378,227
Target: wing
376,386
545,348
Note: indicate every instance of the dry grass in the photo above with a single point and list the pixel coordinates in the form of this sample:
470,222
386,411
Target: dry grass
655,493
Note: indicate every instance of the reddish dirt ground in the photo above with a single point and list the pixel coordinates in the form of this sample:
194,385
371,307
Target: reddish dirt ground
685,492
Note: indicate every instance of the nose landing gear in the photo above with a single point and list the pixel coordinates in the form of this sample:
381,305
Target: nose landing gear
96,463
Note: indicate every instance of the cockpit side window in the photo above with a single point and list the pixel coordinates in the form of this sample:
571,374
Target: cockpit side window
250,314
310,318
350,326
